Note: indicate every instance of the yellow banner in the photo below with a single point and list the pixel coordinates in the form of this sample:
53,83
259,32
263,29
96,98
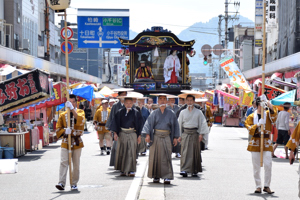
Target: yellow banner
246,98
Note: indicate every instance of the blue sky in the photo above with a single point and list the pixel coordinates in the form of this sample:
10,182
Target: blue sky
175,15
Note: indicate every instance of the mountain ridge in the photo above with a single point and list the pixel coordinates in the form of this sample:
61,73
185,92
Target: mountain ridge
204,33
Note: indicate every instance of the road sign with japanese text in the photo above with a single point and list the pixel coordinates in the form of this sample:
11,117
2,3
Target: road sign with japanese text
102,32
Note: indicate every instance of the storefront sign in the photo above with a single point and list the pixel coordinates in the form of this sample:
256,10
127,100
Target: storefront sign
258,43
270,91
258,27
233,72
23,89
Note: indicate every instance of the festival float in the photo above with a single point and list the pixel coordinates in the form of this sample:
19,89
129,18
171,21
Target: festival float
158,62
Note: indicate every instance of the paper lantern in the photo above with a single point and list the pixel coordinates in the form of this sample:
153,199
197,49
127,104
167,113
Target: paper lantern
59,4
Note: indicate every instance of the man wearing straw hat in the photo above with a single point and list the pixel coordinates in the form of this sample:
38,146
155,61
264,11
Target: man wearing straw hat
171,105
76,130
127,126
283,127
253,124
193,126
100,120
114,110
161,130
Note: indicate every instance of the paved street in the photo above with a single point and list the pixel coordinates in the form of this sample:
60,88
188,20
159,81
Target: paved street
227,174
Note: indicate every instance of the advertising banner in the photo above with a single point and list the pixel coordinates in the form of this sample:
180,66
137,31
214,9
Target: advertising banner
233,72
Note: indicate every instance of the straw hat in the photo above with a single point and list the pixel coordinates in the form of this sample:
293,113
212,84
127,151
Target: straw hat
133,95
122,89
201,100
195,94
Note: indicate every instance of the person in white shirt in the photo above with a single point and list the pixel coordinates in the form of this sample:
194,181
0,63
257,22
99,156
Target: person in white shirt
282,125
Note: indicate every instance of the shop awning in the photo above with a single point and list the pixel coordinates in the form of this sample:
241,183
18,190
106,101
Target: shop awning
285,97
277,76
86,92
106,91
291,85
290,76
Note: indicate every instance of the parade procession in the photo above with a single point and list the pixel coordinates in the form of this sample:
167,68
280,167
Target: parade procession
149,100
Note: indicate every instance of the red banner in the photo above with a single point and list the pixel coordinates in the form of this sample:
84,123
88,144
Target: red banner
271,92
60,91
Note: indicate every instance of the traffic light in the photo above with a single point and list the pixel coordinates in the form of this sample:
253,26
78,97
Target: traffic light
205,60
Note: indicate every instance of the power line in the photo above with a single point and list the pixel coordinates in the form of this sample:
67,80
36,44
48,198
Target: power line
177,25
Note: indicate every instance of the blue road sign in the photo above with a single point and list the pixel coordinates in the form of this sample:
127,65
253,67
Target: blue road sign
102,32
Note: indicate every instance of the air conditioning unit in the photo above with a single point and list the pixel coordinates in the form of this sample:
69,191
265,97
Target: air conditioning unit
41,51
26,44
8,41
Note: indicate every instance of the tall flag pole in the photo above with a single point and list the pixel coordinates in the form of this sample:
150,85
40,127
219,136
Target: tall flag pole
263,86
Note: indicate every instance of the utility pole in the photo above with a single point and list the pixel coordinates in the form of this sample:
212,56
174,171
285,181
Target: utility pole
220,41
226,17
226,25
47,31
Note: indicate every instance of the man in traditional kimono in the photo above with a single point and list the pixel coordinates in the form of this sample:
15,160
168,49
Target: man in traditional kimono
161,130
192,126
253,124
292,145
209,118
127,126
171,105
142,147
149,105
100,120
76,130
114,110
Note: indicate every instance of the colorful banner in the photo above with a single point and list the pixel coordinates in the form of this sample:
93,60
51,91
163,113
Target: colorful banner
246,98
229,98
271,92
23,89
60,91
233,72
209,96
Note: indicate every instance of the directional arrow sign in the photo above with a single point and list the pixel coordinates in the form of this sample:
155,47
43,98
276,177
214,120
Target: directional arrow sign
102,32
100,42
